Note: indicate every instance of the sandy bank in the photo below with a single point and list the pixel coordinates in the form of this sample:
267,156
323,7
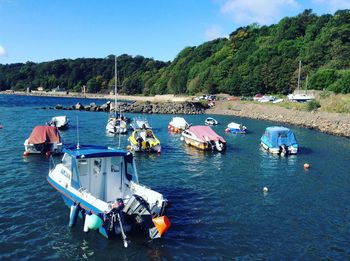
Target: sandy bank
332,123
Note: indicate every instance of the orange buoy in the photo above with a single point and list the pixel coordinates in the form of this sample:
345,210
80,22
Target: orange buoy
306,166
26,154
227,130
162,224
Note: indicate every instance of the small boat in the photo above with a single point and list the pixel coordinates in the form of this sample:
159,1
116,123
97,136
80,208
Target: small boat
144,140
140,123
44,140
61,122
211,121
297,96
279,140
236,128
204,138
178,124
100,185
116,125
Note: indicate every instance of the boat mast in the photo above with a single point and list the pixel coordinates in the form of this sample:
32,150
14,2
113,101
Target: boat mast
115,84
299,77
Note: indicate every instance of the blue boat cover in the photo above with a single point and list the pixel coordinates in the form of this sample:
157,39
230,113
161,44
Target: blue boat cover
276,136
93,151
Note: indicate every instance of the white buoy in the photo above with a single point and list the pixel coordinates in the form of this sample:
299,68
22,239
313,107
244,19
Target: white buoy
265,189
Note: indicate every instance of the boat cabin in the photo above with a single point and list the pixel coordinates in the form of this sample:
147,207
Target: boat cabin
102,171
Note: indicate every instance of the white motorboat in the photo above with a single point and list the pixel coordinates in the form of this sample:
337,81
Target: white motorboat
116,125
43,140
178,124
211,121
61,122
100,185
140,123
236,128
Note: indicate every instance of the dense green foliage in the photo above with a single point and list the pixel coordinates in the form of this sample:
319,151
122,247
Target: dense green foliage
253,59
96,74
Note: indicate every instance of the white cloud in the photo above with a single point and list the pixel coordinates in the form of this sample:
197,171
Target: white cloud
213,32
2,51
261,12
334,5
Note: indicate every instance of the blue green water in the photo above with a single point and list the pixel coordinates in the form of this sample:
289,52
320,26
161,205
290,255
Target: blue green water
217,207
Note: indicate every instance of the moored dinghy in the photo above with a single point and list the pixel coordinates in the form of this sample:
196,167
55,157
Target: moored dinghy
101,185
236,128
211,121
43,139
178,124
61,122
279,140
204,138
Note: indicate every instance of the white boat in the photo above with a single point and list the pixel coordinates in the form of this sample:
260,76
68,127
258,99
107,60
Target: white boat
140,123
100,185
116,123
210,121
236,128
298,96
178,124
43,140
203,138
61,122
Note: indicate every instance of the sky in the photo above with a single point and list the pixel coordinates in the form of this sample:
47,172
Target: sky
46,30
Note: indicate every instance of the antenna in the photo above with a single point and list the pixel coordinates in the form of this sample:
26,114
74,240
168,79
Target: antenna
78,145
116,89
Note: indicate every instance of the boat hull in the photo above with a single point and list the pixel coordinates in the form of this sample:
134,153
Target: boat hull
277,150
53,148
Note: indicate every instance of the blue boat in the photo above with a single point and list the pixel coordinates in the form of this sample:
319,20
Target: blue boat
100,185
279,140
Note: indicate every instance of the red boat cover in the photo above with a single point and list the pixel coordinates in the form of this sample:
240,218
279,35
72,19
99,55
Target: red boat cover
41,134
205,133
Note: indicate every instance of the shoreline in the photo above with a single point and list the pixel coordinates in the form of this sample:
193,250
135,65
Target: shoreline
337,124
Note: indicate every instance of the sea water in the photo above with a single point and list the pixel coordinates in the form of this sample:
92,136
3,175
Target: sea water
217,205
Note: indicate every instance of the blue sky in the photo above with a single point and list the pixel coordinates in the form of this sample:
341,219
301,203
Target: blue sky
45,30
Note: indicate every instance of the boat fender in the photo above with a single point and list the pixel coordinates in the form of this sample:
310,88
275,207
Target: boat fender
162,224
92,222
306,166
227,130
86,227
26,154
74,210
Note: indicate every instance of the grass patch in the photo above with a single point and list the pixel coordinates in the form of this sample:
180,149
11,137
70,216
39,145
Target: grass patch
336,103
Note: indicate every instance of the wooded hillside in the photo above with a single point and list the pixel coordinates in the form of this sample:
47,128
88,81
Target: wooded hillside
253,59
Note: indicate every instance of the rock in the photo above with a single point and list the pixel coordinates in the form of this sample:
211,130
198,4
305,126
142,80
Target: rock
79,106
58,107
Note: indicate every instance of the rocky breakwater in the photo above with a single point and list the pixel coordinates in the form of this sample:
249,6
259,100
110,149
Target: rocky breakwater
140,107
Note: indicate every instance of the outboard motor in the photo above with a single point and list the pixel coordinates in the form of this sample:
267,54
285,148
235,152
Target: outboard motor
283,150
218,145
